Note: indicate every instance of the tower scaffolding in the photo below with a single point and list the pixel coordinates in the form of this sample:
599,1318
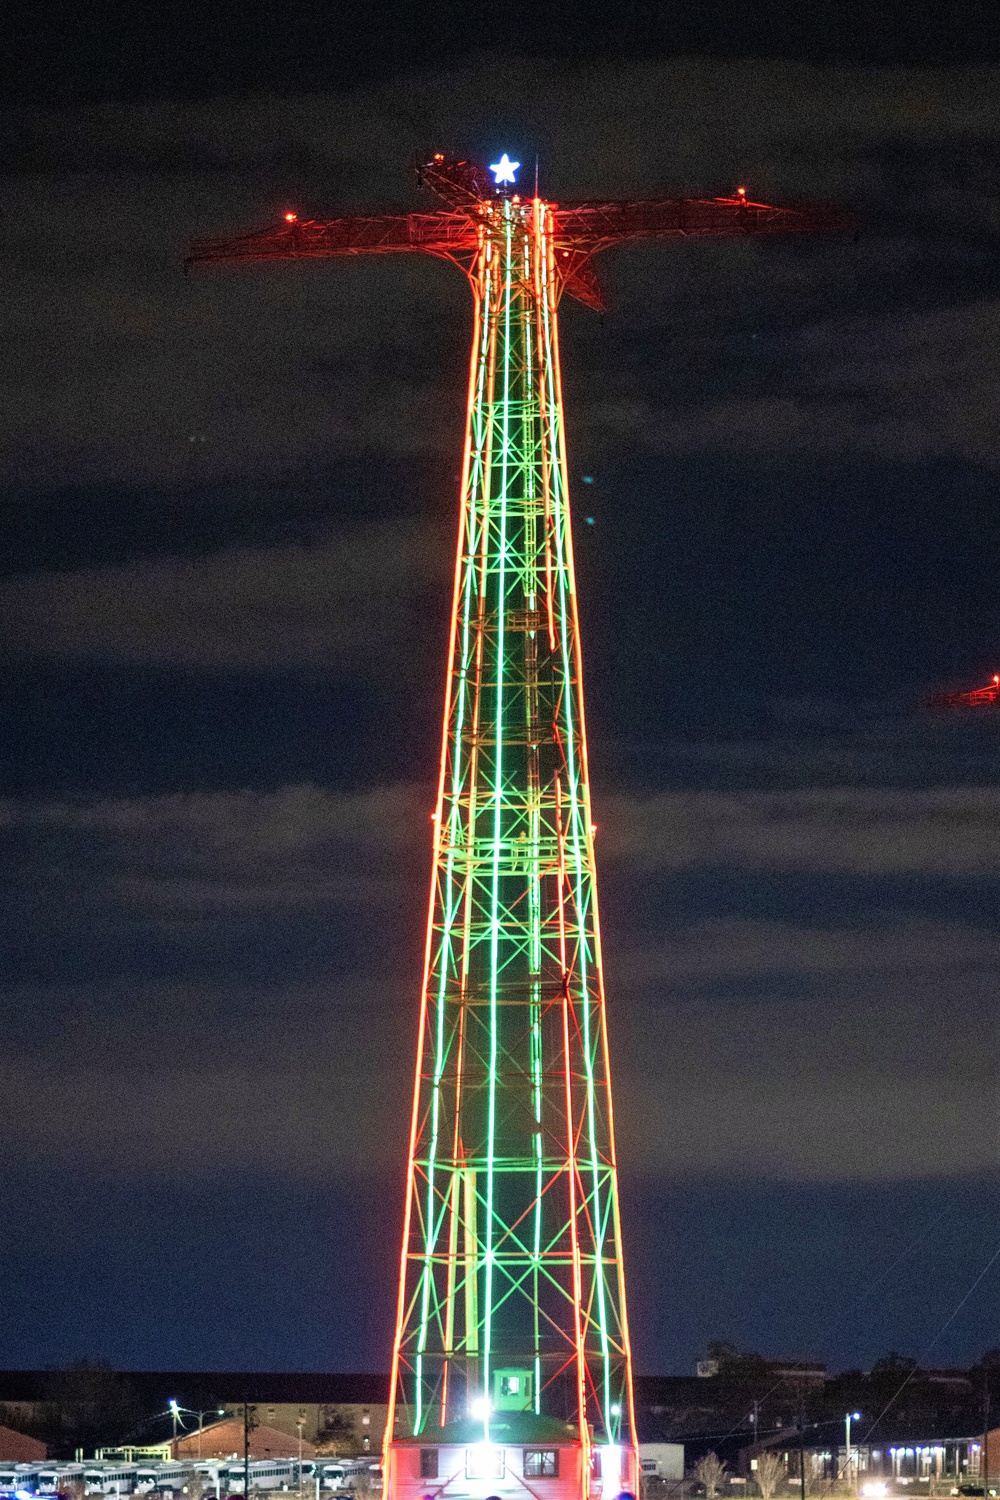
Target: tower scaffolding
512,1331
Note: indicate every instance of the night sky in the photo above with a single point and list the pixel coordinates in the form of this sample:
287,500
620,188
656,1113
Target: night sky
227,523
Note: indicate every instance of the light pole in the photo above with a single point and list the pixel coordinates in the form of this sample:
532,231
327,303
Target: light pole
300,1423
851,1416
189,1411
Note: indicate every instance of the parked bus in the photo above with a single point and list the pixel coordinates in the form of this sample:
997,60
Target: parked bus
265,1474
51,1478
18,1479
109,1479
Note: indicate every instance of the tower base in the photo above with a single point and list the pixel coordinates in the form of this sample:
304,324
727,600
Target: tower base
527,1457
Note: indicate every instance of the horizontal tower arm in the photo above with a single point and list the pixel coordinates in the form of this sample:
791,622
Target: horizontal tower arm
447,234
594,226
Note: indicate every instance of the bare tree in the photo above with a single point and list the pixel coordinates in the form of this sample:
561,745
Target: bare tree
337,1436
769,1474
367,1485
710,1472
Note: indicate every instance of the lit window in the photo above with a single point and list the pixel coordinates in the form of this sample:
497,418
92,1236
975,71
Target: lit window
484,1462
541,1463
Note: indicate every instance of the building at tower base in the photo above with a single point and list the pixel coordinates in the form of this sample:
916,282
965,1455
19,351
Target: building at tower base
528,1457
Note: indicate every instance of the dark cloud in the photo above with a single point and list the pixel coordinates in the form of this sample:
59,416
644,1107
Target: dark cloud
887,1100
123,371
230,500
943,832
209,1109
344,601
911,387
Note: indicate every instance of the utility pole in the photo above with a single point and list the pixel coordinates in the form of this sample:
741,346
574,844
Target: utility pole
248,1427
849,1417
754,1419
984,1460
802,1445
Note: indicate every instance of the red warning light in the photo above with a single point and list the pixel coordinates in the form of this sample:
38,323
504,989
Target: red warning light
742,192
291,218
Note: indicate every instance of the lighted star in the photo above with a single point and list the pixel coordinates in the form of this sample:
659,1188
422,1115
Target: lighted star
504,169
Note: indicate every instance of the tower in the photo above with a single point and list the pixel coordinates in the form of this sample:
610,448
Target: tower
512,1292
511,1365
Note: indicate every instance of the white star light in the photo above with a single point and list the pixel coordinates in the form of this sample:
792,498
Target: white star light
504,169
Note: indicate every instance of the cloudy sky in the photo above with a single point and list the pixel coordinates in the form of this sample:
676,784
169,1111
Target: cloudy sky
227,524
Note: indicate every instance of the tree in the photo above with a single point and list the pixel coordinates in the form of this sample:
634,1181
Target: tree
736,1364
769,1474
893,1366
710,1472
367,1485
337,1435
91,1404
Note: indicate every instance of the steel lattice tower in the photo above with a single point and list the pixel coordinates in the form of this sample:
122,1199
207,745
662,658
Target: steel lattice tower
511,1288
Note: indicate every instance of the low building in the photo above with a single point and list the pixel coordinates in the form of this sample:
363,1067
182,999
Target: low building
661,1460
341,1415
899,1460
225,1439
528,1458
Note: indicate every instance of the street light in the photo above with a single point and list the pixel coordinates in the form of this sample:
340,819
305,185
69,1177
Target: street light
851,1416
189,1411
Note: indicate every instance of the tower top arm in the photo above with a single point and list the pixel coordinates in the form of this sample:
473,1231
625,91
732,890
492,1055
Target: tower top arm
579,230
595,226
319,239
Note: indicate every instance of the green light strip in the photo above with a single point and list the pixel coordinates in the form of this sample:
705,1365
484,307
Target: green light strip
498,805
494,1249
450,897
529,315
577,811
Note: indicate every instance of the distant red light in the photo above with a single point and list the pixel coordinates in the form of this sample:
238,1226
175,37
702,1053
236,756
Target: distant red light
984,697
291,218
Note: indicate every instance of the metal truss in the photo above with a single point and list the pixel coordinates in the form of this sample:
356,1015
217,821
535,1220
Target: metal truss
512,1254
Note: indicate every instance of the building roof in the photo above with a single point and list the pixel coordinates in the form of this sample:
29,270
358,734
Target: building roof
219,1439
18,1448
511,1427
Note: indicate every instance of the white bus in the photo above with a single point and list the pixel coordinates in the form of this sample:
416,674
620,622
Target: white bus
18,1478
265,1474
109,1479
51,1478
